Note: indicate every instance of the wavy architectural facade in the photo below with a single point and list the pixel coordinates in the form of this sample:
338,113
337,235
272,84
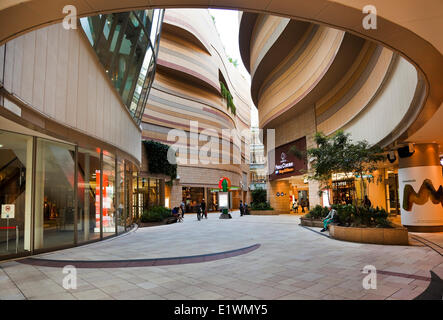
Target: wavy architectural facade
191,64
309,78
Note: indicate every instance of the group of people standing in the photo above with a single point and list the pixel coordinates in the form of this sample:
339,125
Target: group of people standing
244,210
304,203
201,210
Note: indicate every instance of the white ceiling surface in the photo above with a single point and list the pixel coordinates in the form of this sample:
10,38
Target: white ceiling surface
424,17
432,131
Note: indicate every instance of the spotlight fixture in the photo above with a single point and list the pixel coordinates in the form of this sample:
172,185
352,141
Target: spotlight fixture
391,156
406,151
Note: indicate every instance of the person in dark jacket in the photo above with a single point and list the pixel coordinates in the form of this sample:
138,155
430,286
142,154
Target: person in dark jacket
242,208
366,202
203,207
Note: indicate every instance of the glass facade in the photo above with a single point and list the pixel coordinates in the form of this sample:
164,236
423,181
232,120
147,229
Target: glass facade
127,45
54,194
88,165
108,196
60,195
148,194
15,190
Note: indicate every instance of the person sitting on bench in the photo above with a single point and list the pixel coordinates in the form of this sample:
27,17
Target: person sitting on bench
328,219
175,213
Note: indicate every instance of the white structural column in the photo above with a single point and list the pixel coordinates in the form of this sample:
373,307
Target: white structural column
39,196
86,202
28,196
421,189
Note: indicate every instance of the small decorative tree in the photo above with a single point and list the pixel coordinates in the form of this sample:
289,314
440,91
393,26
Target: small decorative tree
337,153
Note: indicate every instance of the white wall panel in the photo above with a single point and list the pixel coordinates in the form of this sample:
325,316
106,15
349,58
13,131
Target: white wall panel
56,72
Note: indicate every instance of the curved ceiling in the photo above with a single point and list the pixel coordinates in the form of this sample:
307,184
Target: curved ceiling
406,26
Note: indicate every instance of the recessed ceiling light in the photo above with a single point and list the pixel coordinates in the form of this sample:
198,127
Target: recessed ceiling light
1,146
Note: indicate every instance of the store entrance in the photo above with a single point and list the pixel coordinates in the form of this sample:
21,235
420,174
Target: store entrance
192,197
343,191
392,193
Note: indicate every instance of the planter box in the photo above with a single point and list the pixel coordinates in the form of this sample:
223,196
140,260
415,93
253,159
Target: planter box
393,236
316,223
263,212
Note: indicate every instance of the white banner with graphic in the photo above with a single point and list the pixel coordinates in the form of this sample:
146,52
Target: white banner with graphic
420,192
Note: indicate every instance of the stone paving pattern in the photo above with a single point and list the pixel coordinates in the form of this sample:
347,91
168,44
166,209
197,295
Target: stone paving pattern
291,263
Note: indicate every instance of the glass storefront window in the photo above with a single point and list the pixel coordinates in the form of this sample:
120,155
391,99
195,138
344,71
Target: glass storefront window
128,193
120,197
87,167
15,192
135,207
192,196
69,204
108,193
54,194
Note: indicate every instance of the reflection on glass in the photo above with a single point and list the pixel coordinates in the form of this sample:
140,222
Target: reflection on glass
135,208
120,197
87,167
128,194
15,192
126,45
54,195
108,193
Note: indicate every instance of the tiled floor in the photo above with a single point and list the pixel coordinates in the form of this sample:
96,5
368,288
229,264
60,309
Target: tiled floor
291,263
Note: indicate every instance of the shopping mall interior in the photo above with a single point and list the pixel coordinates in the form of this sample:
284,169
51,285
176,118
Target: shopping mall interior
90,98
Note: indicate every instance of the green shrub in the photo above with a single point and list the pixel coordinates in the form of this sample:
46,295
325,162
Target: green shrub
359,216
155,214
317,212
261,206
259,200
258,196
350,215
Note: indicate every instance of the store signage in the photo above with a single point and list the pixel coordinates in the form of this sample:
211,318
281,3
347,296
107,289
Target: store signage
224,184
287,164
230,189
365,176
8,211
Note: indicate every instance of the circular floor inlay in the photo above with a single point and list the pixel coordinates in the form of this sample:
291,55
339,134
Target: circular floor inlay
139,262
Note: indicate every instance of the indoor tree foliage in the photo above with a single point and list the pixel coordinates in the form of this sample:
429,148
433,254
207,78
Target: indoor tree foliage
337,153
228,96
157,154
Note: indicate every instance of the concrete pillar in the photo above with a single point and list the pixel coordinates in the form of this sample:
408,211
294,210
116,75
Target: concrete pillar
39,195
86,202
421,189
162,192
314,198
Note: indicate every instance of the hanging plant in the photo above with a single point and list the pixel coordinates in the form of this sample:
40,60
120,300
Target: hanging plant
228,97
157,154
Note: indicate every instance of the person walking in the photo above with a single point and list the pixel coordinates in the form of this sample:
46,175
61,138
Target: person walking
295,206
303,205
203,208
242,208
182,208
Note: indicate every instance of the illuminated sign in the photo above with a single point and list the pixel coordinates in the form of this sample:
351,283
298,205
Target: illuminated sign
223,200
108,204
286,162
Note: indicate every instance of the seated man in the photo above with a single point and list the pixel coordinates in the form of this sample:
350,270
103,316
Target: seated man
175,213
328,219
